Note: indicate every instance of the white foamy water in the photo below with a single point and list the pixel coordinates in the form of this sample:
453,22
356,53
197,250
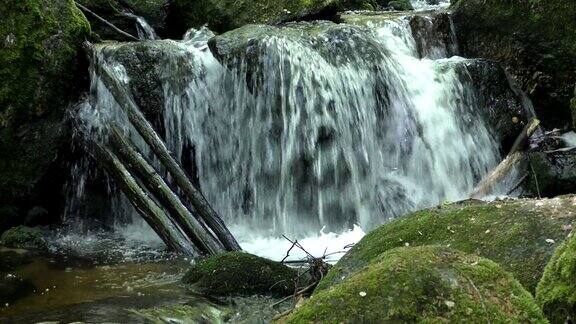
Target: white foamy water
423,5
316,126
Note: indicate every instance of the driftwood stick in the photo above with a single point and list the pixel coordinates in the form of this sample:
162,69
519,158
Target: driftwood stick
156,185
145,129
150,211
106,22
516,154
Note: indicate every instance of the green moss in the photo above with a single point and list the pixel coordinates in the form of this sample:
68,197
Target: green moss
427,284
23,237
535,38
402,5
224,15
39,51
556,292
238,273
512,233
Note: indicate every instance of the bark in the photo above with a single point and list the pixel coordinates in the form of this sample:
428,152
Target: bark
156,185
154,215
516,154
145,129
107,23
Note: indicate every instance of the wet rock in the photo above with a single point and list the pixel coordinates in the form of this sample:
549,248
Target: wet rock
535,40
423,284
241,274
556,292
13,288
512,233
499,100
40,62
225,15
23,237
114,11
433,35
554,173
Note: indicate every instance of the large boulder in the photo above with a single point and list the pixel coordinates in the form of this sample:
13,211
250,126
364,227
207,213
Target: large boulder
241,274
39,58
22,237
556,292
224,15
118,12
521,235
535,39
427,284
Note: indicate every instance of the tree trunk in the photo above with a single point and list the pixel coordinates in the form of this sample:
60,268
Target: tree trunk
156,185
201,206
150,211
516,154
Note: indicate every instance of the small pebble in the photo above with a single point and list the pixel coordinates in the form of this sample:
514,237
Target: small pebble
450,303
362,294
487,231
406,244
551,241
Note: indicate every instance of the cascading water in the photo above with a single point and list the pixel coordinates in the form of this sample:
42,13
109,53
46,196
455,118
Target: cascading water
292,129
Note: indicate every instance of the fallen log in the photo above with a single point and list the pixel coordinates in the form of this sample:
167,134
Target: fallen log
145,129
148,209
106,22
156,185
516,154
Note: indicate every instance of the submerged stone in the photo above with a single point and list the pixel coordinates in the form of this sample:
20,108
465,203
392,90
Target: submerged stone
23,237
423,284
241,274
520,235
13,288
556,292
13,259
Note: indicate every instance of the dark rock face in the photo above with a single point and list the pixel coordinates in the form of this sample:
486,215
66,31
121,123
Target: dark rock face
434,33
39,61
534,39
13,288
500,102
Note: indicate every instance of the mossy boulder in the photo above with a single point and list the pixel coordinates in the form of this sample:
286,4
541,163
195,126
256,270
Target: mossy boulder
401,5
40,56
114,11
225,15
427,284
534,38
23,237
241,274
521,235
556,292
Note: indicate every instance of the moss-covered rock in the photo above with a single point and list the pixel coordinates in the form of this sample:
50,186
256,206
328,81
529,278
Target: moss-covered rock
427,284
556,292
402,5
241,274
23,237
39,58
114,11
520,235
224,15
534,38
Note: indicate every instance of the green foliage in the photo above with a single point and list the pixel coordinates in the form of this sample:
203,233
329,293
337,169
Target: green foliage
556,292
427,284
402,5
512,233
238,273
23,237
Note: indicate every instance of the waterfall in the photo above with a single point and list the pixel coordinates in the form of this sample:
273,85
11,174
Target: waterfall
291,129
145,31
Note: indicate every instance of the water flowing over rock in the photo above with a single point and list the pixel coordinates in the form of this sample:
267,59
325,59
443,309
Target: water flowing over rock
292,128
